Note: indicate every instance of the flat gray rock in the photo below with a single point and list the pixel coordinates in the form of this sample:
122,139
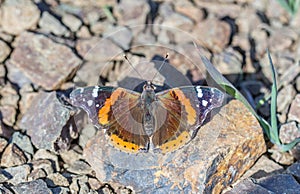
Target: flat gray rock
38,186
44,120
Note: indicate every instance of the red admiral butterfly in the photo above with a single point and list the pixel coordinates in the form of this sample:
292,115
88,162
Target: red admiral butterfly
145,121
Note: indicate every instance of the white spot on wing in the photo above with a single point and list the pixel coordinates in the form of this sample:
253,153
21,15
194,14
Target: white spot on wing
204,102
81,90
95,92
83,99
97,105
90,102
199,91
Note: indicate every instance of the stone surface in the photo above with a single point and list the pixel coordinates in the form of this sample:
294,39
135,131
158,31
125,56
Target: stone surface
56,179
72,22
289,132
45,119
206,36
48,156
98,49
9,114
4,51
60,190
130,12
172,27
216,158
80,167
294,113
18,16
17,174
3,144
121,36
298,84
12,156
282,183
263,167
46,165
49,24
5,189
5,131
44,62
87,133
285,97
89,72
23,142
38,186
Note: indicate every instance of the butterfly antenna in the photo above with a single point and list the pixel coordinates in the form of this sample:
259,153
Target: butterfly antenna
163,63
133,66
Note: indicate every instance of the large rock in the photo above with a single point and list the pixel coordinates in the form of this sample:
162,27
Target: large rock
44,62
18,15
45,119
222,151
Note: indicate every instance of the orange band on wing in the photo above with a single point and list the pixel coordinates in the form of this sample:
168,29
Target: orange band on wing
123,145
176,143
104,111
191,113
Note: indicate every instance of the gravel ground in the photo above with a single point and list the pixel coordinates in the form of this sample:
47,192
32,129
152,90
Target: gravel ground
50,47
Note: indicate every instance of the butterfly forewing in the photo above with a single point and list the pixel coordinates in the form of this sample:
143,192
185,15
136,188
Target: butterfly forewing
186,109
118,111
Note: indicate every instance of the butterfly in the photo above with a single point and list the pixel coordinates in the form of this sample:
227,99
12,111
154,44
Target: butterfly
138,122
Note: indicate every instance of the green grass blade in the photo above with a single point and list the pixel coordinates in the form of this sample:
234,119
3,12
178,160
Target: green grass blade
274,137
287,147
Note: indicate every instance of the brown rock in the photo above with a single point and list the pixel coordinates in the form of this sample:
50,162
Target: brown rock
46,165
88,3
281,40
220,9
209,163
171,27
4,51
285,97
43,61
83,32
49,24
289,73
72,22
9,114
88,74
36,174
57,179
131,12
288,133
5,131
43,154
298,83
229,63
98,50
94,183
188,9
207,31
18,16
3,144
12,156
294,113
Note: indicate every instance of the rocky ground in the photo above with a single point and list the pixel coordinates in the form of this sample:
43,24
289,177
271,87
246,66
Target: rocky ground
50,47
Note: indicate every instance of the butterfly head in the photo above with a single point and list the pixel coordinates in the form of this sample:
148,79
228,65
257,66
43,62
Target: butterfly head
149,86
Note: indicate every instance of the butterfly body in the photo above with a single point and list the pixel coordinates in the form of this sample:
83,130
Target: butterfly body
134,122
